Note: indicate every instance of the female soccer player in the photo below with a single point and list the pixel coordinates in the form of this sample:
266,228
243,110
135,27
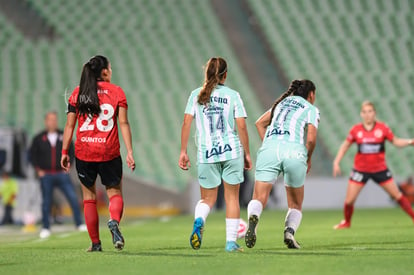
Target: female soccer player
369,163
222,154
288,132
97,104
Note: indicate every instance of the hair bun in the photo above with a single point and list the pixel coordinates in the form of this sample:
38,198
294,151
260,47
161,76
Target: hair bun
295,84
93,63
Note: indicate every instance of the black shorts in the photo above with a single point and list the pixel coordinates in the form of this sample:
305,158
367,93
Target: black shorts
380,178
109,171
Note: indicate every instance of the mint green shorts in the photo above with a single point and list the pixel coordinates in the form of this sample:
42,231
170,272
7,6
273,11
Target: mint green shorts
288,158
231,171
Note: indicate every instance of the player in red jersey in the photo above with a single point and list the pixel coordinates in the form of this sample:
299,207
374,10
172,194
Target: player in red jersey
369,163
97,105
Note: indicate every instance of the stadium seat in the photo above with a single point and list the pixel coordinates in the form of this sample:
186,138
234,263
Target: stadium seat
354,51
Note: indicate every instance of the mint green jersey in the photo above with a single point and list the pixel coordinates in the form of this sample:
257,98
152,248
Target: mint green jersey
290,120
216,136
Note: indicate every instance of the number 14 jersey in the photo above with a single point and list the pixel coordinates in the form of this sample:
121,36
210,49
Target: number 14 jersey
97,137
217,138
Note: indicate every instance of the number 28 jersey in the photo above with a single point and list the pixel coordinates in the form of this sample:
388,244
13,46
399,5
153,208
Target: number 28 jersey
217,138
97,137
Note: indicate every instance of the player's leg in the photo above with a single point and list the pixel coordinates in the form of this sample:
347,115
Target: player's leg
46,186
111,176
209,177
231,197
356,183
67,188
232,177
254,210
267,170
87,173
294,176
391,188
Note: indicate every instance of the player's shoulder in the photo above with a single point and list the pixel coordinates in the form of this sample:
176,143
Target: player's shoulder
110,86
357,127
194,93
381,124
229,90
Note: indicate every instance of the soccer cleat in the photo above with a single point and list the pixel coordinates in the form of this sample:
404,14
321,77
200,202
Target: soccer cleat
232,246
197,234
342,225
95,247
250,237
117,238
290,240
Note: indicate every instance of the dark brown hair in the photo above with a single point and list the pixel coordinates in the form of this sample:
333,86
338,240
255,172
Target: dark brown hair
88,101
297,87
215,71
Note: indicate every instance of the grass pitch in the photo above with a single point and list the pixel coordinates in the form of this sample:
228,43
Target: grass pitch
381,241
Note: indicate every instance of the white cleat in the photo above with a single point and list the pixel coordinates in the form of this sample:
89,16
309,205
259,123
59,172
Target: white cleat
290,239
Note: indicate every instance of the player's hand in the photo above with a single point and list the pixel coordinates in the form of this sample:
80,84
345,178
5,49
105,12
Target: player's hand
40,173
65,163
130,161
184,161
309,163
247,162
336,171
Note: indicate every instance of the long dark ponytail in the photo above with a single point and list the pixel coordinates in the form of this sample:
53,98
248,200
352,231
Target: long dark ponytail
297,87
215,69
88,101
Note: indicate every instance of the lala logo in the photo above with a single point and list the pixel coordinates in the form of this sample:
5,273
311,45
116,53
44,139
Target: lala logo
359,135
378,133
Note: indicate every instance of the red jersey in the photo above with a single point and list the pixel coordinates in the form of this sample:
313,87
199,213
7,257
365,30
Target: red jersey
97,138
370,157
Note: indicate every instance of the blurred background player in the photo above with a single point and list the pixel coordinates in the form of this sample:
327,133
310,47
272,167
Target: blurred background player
8,194
97,105
45,154
369,162
222,153
286,150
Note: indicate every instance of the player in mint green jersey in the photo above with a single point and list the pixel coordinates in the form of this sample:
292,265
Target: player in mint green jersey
222,153
288,132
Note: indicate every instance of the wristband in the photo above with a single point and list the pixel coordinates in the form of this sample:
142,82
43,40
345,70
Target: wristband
64,152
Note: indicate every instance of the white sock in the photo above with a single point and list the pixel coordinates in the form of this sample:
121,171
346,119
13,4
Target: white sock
255,207
201,210
232,225
293,218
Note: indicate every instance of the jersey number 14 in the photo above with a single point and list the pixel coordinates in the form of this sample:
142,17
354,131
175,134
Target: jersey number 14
107,113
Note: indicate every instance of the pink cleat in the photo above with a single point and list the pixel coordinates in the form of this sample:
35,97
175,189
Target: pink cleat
342,225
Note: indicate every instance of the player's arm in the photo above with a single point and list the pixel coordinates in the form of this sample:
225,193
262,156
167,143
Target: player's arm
244,139
402,142
184,161
67,139
262,123
311,143
126,135
341,152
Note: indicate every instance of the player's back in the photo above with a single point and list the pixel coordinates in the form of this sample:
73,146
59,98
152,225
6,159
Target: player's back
290,119
97,136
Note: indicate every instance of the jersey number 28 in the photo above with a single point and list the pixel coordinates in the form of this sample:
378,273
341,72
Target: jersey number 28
107,112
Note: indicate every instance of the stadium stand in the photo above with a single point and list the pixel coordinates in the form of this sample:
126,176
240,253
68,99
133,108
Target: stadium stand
157,49
353,51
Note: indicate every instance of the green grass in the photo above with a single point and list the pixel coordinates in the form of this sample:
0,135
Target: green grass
381,241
